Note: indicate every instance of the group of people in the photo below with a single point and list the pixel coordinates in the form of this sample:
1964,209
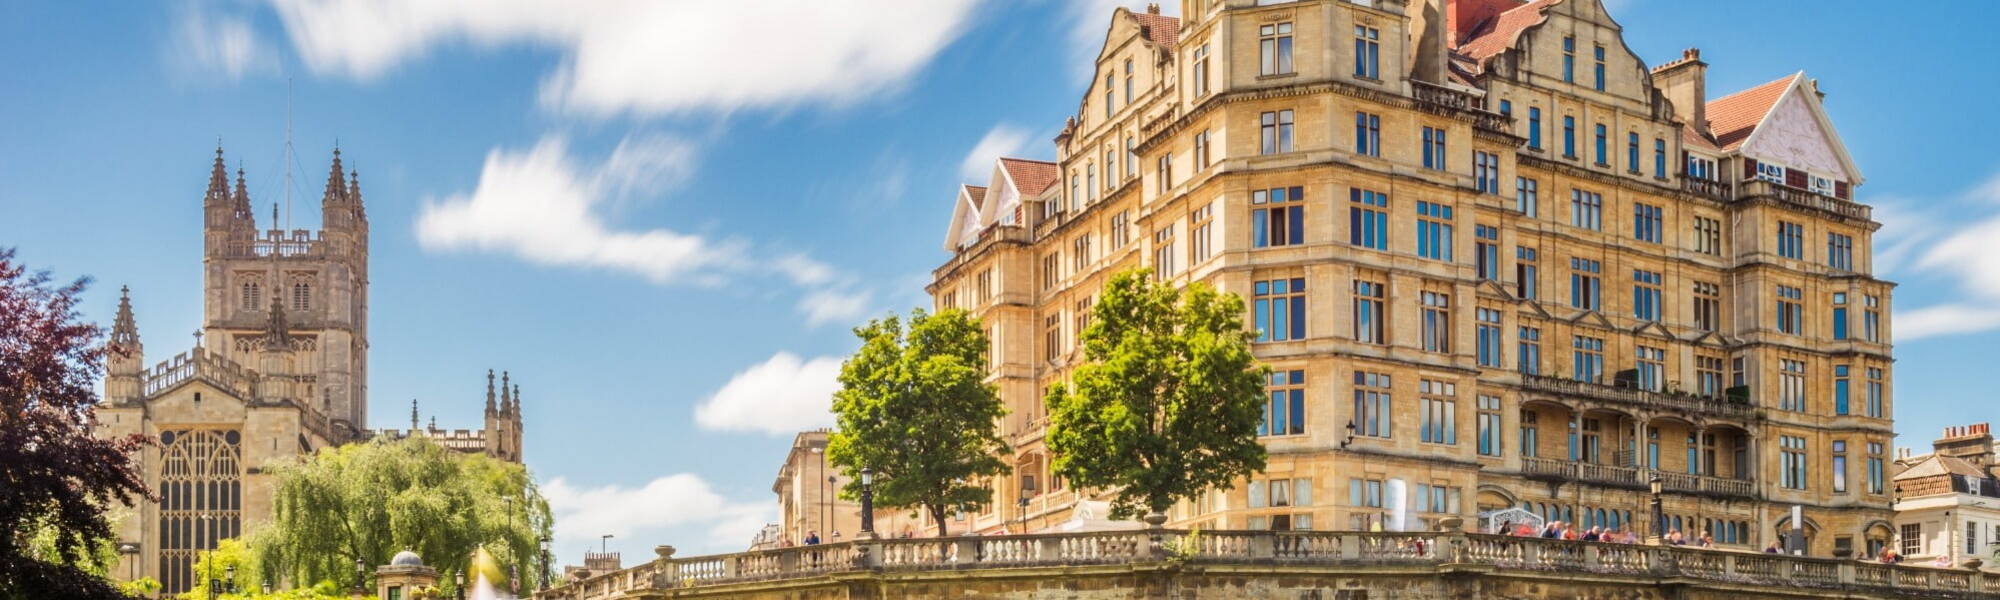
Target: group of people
812,538
1562,530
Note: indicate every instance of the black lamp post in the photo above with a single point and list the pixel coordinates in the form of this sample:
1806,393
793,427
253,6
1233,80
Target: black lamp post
459,579
229,576
131,551
1659,515
360,576
867,503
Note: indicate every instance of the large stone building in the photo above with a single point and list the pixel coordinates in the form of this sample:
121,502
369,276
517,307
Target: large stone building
279,369
1948,501
1496,260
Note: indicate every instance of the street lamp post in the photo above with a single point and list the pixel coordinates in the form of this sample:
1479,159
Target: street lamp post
459,580
867,503
360,576
131,552
604,544
229,575
1659,515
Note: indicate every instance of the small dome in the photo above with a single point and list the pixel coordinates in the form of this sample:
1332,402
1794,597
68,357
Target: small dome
406,558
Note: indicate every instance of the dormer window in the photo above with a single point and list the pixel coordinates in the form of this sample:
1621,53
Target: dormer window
1770,172
1819,185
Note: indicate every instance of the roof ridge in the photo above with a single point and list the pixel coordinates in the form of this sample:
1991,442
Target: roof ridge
1753,88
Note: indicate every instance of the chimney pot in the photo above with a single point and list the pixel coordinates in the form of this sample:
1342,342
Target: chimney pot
1691,54
1152,8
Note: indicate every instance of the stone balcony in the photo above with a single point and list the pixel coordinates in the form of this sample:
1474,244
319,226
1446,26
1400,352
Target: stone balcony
1758,188
1662,402
1238,564
1713,190
1635,477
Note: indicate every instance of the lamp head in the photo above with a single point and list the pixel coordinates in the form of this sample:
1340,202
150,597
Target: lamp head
867,476
1655,483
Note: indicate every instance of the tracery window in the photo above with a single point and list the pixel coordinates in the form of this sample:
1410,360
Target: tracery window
200,499
253,295
301,296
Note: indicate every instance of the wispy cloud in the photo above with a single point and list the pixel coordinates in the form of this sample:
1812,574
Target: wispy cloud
645,57
1001,140
835,306
654,511
780,396
218,44
1952,240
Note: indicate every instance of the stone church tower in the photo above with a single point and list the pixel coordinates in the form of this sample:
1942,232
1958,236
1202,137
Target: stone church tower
279,369
321,282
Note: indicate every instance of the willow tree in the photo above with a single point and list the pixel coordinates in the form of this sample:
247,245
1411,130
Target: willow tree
915,409
369,501
1169,401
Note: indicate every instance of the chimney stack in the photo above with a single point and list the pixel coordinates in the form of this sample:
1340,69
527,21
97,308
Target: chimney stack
1685,83
1152,8
1974,443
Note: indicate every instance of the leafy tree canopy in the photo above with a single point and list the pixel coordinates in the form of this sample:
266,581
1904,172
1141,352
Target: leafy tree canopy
1170,401
914,407
56,477
370,501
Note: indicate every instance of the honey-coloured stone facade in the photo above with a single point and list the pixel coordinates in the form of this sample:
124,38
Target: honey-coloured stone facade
1497,259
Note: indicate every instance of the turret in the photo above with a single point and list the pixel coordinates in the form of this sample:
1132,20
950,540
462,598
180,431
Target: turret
274,356
340,202
125,357
225,216
489,392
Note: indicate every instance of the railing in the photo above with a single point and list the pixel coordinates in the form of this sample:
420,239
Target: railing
1548,466
201,364
1608,474
1657,400
1715,190
1442,551
1634,476
1759,188
1443,99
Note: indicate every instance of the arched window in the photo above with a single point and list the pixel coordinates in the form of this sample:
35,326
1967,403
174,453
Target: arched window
253,295
200,500
302,296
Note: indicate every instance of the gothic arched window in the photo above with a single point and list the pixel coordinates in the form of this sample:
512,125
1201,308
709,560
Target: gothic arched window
200,500
253,295
301,296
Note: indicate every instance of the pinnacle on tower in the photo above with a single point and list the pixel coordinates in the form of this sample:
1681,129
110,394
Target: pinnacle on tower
489,391
354,186
242,200
413,414
506,395
336,188
515,408
277,334
125,328
218,178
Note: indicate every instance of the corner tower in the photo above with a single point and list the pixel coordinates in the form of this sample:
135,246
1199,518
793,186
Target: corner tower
319,280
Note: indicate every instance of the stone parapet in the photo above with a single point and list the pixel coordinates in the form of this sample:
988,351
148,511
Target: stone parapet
1240,564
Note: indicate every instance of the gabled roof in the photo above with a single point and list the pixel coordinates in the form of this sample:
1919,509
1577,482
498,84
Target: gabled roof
1696,141
1731,118
976,194
1031,177
1506,28
1159,29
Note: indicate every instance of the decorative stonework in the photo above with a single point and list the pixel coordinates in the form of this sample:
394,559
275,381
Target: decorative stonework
1791,135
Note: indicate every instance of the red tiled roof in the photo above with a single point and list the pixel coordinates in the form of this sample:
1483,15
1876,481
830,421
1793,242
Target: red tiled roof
1159,29
1506,28
1696,141
977,194
1731,118
1031,177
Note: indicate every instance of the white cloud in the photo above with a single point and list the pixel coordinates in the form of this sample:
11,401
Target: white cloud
541,207
648,57
829,306
1957,246
1001,140
224,45
780,396
654,513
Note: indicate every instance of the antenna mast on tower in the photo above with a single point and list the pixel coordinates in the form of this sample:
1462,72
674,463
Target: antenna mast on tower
288,155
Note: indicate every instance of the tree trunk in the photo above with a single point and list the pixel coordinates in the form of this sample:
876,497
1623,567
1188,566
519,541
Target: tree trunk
937,514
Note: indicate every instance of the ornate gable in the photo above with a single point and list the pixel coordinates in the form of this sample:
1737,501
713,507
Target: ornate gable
1797,134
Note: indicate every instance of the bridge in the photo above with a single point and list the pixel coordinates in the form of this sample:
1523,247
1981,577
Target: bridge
1306,565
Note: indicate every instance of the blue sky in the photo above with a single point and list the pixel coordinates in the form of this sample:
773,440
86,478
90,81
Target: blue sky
662,217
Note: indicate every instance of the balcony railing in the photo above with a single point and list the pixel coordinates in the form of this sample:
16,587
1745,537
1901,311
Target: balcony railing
1441,99
1674,402
1714,190
1764,189
1413,552
1567,470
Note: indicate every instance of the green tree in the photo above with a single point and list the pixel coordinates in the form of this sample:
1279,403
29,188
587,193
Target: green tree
915,409
1170,401
369,501
231,564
